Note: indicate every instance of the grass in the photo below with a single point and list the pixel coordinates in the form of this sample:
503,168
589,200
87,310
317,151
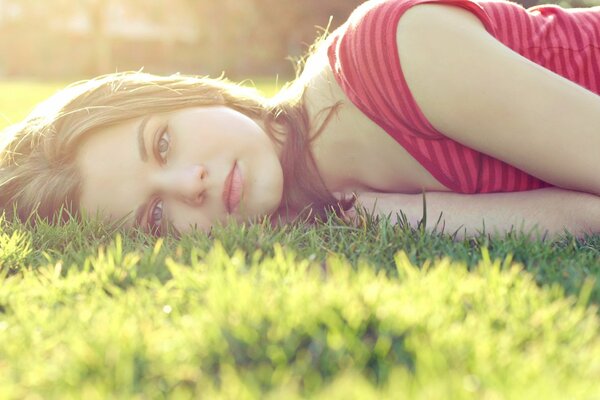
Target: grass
17,98
325,311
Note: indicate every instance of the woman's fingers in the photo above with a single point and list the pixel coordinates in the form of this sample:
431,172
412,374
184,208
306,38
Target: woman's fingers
349,215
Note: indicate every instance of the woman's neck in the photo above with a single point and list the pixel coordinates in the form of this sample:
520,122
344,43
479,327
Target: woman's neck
337,150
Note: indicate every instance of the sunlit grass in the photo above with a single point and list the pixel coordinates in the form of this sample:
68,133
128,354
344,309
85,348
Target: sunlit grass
325,311
18,98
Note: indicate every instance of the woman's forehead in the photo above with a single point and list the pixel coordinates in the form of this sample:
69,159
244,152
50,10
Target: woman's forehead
110,168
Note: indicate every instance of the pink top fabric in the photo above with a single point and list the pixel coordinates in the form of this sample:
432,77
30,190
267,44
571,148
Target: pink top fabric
364,58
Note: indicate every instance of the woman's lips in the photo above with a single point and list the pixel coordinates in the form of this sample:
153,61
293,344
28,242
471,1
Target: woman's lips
233,189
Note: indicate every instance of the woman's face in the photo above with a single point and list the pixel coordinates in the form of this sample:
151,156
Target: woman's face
187,169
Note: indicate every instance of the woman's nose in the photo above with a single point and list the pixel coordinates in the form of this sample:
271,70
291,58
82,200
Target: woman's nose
187,183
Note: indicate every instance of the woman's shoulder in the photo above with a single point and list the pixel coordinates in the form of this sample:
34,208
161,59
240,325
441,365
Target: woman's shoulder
376,16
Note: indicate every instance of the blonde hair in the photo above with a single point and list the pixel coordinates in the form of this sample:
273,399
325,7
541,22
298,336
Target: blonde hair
37,156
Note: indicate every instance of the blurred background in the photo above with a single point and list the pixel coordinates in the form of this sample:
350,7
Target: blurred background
64,40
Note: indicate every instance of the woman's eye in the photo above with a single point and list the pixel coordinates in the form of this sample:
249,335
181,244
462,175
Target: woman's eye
156,215
163,144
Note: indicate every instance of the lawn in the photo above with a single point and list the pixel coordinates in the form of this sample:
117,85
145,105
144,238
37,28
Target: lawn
18,98
326,311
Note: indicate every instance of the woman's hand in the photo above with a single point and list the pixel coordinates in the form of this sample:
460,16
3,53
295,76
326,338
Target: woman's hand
379,204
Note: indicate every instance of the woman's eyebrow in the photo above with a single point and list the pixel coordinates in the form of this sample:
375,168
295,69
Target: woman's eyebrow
141,142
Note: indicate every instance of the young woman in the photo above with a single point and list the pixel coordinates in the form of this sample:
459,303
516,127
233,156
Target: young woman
491,109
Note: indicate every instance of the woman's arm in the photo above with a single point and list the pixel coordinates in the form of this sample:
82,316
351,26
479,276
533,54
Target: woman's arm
482,94
547,211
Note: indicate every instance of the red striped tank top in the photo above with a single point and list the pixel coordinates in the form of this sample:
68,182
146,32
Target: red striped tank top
364,57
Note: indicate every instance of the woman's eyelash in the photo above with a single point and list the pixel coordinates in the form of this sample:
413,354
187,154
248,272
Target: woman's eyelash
155,216
162,144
